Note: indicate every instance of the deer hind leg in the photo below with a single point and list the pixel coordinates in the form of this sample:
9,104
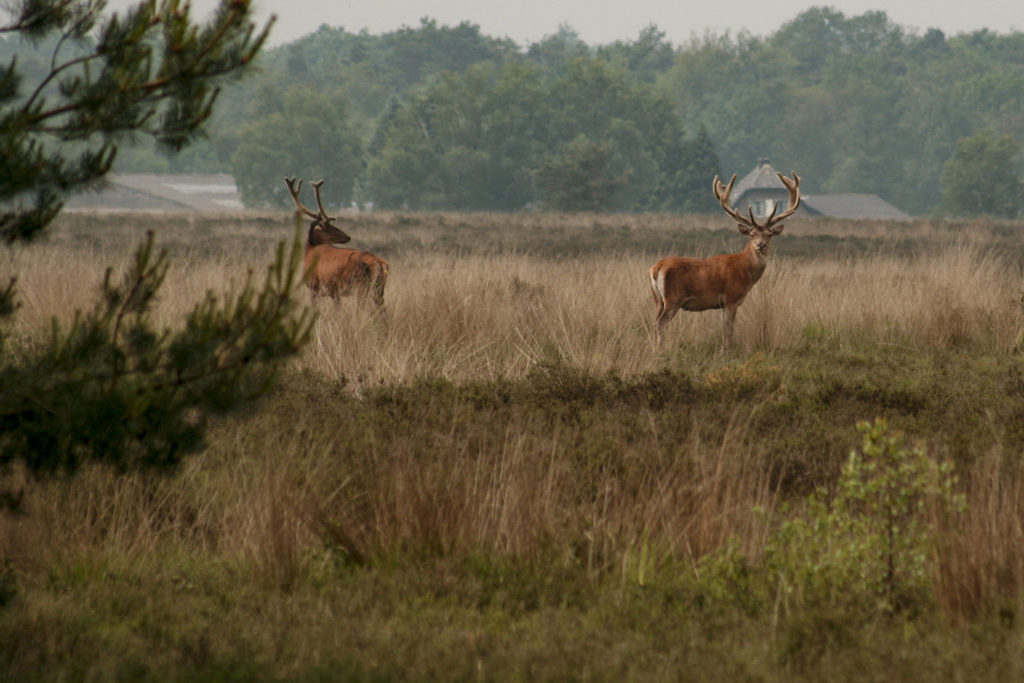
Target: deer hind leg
657,291
380,279
361,284
661,313
664,315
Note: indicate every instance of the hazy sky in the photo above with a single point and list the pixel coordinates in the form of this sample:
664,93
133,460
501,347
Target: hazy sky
604,21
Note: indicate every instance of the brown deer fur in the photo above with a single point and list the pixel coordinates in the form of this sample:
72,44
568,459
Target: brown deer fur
332,270
723,281
337,271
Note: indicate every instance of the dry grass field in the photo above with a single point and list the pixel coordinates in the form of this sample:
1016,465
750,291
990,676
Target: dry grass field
489,296
503,477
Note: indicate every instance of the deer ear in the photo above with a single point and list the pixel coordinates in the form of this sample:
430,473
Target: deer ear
777,229
744,229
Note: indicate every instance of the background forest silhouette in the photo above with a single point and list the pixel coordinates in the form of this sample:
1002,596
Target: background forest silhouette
445,117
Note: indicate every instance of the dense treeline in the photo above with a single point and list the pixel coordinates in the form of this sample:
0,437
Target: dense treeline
446,117
858,104
451,119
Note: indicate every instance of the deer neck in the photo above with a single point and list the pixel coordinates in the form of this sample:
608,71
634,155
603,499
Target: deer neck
755,261
315,238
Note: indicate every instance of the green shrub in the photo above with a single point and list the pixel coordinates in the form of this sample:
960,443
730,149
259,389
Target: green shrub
872,546
867,549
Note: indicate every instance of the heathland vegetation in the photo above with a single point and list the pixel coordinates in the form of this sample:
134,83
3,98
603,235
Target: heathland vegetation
504,477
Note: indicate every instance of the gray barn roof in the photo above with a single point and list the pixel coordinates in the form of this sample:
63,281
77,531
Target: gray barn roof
851,206
763,183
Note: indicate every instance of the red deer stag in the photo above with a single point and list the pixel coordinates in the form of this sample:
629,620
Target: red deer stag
700,284
333,270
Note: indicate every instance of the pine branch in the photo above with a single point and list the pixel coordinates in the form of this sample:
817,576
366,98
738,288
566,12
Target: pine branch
152,71
114,389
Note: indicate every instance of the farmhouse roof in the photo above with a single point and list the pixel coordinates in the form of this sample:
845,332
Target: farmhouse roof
764,183
763,176
209,192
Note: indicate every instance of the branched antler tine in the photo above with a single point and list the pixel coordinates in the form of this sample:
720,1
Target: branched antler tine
722,193
319,204
294,190
290,183
793,185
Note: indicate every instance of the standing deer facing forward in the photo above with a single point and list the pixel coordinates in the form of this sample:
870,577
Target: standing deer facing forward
701,284
333,270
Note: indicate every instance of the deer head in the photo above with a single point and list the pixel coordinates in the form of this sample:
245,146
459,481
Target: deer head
321,230
760,234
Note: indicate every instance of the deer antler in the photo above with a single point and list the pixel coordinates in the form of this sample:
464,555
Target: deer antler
722,193
793,185
320,205
294,190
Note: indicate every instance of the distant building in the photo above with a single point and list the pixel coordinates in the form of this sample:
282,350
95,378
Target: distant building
761,189
213,192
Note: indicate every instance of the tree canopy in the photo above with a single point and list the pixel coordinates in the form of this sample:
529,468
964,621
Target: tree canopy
856,103
506,137
980,177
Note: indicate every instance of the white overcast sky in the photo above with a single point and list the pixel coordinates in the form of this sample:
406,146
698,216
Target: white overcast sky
603,21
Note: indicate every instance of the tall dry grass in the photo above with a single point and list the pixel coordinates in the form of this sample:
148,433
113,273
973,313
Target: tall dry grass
980,560
270,501
486,314
465,315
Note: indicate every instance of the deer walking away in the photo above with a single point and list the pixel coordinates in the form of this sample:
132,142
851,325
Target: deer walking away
723,281
332,270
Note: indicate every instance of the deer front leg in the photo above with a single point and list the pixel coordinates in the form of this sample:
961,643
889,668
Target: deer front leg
728,318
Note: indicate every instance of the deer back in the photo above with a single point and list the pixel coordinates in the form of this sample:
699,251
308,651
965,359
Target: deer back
338,270
698,284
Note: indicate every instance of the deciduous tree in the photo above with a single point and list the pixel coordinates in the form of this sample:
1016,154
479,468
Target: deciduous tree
579,178
981,178
302,133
